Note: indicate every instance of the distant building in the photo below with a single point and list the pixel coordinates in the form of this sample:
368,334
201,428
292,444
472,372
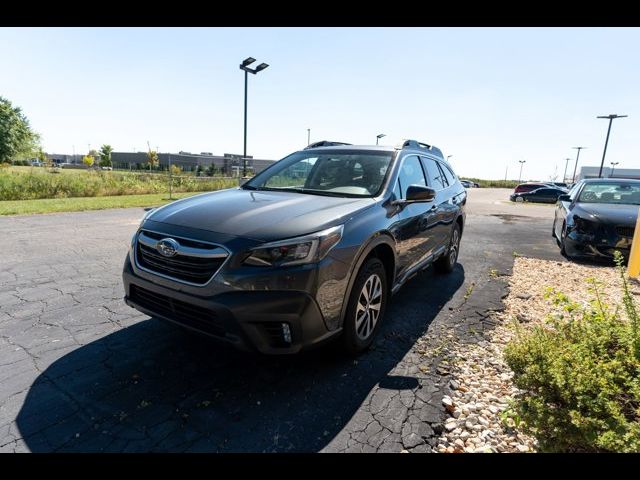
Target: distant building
229,164
592,172
58,158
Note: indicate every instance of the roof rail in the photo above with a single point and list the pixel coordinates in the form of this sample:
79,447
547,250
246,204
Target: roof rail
421,146
325,143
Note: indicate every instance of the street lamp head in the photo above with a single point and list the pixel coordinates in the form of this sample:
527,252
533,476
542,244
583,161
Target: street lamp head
613,115
261,67
380,135
248,61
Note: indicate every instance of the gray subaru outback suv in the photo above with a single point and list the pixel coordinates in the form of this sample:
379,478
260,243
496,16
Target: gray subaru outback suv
310,249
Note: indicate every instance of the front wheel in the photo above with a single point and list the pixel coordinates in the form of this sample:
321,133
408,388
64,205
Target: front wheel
366,307
447,261
563,235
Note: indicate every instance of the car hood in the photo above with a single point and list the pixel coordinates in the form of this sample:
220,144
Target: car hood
608,213
260,215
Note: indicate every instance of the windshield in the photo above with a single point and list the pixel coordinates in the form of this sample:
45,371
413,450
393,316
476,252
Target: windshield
335,173
615,193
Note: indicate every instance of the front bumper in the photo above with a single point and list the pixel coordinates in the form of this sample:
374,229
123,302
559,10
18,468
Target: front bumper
597,246
247,319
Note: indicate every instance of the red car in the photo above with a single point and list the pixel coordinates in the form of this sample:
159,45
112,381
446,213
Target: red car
527,187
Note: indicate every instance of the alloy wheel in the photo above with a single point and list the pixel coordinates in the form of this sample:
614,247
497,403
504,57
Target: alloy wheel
455,245
368,307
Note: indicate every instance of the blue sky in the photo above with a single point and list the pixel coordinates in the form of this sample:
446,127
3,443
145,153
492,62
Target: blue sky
487,96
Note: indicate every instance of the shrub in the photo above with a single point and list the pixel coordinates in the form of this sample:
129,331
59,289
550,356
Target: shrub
580,375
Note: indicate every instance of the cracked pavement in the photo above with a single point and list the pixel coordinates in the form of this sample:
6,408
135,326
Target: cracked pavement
82,372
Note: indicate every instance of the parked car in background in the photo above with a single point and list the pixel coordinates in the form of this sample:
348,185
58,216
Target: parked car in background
36,163
469,184
559,184
310,249
540,195
597,217
529,186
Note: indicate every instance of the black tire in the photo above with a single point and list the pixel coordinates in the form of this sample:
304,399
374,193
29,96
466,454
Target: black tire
563,233
447,262
357,337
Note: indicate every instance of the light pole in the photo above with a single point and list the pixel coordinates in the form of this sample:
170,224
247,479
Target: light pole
564,177
613,166
573,180
378,137
245,66
308,136
610,117
522,162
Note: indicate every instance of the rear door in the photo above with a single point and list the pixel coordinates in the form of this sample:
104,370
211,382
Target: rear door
438,181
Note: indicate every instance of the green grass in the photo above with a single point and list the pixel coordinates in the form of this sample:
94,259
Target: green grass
53,205
31,183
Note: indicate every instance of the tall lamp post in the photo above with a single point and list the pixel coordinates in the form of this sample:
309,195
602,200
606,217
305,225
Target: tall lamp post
613,166
575,168
245,66
378,137
308,136
564,177
610,117
522,162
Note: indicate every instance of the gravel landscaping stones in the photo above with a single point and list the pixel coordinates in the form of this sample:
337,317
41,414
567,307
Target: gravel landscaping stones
481,387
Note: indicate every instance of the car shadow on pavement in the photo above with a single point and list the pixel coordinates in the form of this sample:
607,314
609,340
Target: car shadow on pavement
153,387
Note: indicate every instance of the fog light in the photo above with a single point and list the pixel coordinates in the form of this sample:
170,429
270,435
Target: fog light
286,332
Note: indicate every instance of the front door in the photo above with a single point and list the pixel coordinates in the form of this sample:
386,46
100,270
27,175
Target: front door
415,222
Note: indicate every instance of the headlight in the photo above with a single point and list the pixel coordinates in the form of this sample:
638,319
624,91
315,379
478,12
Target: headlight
584,226
295,251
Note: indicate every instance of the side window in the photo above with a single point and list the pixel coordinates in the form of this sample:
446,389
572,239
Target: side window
443,175
448,173
435,175
411,174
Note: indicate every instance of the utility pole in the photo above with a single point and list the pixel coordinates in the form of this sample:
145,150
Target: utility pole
611,118
573,179
170,179
308,137
522,162
505,172
564,177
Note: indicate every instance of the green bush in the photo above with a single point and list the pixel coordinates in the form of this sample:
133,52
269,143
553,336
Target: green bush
580,375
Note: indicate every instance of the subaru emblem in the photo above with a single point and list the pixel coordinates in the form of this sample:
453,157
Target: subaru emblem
168,247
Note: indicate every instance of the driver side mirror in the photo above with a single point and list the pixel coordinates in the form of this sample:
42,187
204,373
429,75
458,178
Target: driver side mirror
564,198
416,194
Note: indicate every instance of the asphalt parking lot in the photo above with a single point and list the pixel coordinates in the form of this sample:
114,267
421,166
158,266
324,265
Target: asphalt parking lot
80,371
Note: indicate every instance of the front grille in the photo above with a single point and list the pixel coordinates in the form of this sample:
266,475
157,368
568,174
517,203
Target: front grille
195,263
624,231
182,312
